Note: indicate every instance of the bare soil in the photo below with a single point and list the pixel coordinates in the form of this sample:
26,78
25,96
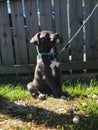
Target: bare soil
34,114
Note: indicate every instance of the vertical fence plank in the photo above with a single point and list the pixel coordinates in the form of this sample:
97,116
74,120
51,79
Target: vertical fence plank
32,27
61,26
14,41
0,55
46,15
92,31
19,32
57,15
5,36
75,23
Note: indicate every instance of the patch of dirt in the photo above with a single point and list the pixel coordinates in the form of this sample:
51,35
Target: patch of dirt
31,114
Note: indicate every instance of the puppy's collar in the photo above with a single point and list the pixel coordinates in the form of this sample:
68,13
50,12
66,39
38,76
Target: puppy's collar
46,53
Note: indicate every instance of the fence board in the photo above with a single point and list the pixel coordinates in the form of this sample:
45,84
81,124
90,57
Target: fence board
32,27
61,26
80,66
19,32
14,42
92,31
75,23
46,15
0,56
65,67
17,69
5,36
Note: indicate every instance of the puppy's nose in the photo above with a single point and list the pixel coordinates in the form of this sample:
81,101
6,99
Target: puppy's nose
56,34
59,38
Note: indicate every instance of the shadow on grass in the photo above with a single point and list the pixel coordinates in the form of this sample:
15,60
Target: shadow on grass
49,118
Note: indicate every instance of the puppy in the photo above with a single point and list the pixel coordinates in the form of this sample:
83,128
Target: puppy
47,73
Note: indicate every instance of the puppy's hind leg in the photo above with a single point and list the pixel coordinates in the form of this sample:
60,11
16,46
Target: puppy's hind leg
35,92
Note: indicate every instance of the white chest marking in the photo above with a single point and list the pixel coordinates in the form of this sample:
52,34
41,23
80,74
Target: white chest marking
54,64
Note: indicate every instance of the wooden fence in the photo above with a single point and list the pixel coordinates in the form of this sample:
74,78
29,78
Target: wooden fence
20,20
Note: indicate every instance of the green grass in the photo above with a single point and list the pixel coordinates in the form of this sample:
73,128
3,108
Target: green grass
13,88
86,90
82,91
81,87
13,92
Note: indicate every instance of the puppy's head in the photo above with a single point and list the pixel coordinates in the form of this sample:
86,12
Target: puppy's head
45,40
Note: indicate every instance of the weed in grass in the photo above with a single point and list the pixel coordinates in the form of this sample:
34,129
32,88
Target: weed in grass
91,106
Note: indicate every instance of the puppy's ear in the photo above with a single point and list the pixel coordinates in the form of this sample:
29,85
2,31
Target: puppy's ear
35,39
54,37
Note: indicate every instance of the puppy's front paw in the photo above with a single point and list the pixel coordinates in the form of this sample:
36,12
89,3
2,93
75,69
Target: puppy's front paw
42,96
63,97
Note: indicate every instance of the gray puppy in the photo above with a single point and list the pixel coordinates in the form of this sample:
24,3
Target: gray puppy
47,73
